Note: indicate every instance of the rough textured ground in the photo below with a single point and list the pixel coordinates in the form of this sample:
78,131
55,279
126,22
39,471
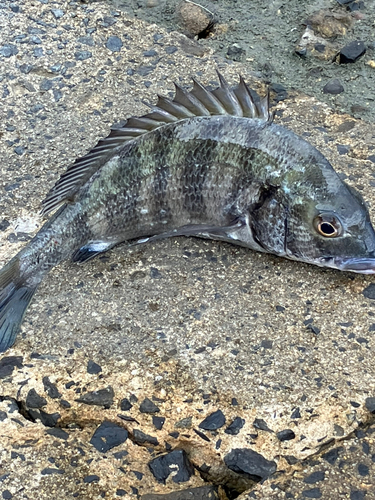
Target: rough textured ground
194,326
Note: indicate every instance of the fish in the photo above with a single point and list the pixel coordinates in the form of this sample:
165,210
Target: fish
207,163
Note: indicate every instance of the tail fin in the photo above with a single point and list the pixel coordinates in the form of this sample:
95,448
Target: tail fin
15,296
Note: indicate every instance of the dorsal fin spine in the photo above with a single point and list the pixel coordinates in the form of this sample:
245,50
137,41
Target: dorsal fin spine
198,102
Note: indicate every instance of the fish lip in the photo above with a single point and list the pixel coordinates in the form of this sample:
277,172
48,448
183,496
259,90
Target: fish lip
362,265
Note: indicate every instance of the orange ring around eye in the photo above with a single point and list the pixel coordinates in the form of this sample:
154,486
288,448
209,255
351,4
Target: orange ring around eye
327,226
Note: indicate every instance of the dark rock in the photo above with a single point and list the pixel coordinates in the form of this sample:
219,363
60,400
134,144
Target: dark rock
315,477
363,470
107,436
202,493
114,43
352,51
147,406
8,364
3,415
171,49
150,53
8,50
33,400
155,273
332,455
235,427
249,462
342,149
51,470
7,495
92,478
371,158
333,87
236,52
260,424
125,405
140,437
57,432
93,368
370,404
47,419
82,55
313,493
86,40
46,84
102,397
158,422
296,413
201,435
369,291
57,13
281,94
213,422
4,224
184,423
175,461
285,435
50,388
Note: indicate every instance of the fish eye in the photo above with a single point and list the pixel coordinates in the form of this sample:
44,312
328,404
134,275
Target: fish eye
327,225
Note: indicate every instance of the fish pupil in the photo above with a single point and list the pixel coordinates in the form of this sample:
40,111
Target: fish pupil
327,228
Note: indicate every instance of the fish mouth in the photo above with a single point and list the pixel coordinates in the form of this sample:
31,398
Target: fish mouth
362,265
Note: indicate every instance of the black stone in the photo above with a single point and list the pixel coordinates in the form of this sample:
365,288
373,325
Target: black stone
147,406
213,422
137,474
57,432
332,455
7,495
33,400
121,454
140,437
250,463
47,419
114,43
102,397
175,461
313,493
315,477
50,388
369,291
235,427
357,495
3,415
236,52
82,55
107,436
125,405
370,404
93,368
201,435
65,404
285,435
8,364
201,493
352,51
158,422
4,224
363,470
260,424
52,470
92,478
296,413
333,87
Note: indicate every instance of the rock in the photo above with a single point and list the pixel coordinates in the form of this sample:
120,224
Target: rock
236,52
175,461
235,427
333,87
352,52
58,13
8,50
47,419
107,436
202,493
50,388
249,462
147,406
125,405
285,435
8,364
213,422
33,400
368,292
93,368
114,43
158,422
102,397
315,477
370,404
194,19
140,437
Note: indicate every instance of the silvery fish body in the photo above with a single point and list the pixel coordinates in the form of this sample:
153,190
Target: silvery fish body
210,164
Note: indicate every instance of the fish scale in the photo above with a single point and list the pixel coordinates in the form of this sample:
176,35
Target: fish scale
210,164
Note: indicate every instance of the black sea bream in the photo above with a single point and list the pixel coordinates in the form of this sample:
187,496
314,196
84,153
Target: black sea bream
209,164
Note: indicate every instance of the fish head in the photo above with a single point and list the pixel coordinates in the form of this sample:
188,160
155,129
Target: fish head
327,225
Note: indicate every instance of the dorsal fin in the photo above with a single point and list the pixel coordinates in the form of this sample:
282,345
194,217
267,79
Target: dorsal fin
239,101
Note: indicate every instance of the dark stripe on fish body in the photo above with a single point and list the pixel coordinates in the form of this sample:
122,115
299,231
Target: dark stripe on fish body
197,164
